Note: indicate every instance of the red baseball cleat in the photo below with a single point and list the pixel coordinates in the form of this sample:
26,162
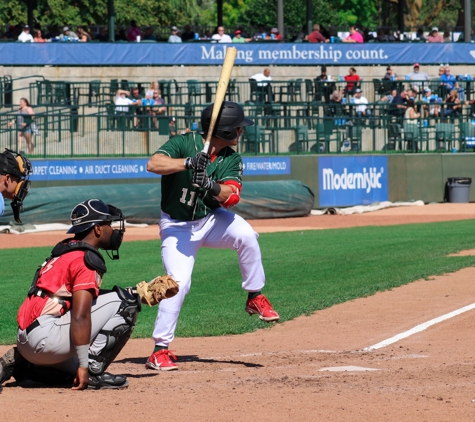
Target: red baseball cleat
161,361
261,306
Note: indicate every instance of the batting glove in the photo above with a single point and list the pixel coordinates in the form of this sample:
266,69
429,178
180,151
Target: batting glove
198,162
201,179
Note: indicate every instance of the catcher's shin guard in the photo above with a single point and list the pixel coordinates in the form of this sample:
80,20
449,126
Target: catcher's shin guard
118,337
12,364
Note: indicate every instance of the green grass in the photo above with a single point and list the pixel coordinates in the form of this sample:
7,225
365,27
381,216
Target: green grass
306,271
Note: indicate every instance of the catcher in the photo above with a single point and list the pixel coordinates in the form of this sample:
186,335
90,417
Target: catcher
69,330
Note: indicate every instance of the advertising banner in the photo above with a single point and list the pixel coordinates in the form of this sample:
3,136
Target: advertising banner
348,181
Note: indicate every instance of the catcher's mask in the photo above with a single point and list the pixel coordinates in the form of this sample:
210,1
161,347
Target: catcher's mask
18,166
231,116
93,211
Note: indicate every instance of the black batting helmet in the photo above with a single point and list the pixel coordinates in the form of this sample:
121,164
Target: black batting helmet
230,117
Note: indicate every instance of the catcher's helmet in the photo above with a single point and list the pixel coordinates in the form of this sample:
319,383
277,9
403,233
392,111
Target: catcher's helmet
92,212
230,117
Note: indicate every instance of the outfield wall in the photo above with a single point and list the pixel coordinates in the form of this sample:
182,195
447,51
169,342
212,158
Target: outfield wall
338,180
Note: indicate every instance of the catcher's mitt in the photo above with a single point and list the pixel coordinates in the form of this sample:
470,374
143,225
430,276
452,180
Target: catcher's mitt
159,288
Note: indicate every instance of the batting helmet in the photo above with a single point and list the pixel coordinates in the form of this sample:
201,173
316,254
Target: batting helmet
230,117
91,212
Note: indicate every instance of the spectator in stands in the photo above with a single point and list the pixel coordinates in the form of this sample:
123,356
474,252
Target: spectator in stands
327,86
367,35
25,124
238,38
336,107
441,71
122,102
361,102
37,37
316,35
354,37
453,104
133,32
434,36
25,35
417,78
447,80
352,80
83,35
333,34
431,107
174,36
261,29
410,117
388,98
67,34
420,35
447,36
102,36
148,34
274,35
398,104
390,73
159,108
382,37
188,34
264,80
221,37
121,35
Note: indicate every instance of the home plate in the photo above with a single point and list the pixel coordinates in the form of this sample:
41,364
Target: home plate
347,369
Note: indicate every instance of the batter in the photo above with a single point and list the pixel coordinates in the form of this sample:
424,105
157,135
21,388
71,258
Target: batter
196,190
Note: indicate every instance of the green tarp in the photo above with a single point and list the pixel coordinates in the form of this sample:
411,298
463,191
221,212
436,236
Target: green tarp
141,202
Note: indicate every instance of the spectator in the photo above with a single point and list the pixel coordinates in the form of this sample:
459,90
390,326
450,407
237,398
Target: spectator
102,36
207,35
188,34
263,80
25,125
398,104
447,37
122,102
410,117
67,34
25,35
238,37
354,37
153,87
453,104
83,35
390,73
420,35
417,78
172,126
261,30
333,34
221,37
134,100
447,80
301,35
434,36
121,35
274,35
367,35
382,37
352,80
174,36
316,35
133,32
157,101
361,102
336,107
430,107
388,98
148,35
37,37
326,84
441,71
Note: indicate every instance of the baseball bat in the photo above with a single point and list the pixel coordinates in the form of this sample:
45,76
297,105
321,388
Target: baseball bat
220,92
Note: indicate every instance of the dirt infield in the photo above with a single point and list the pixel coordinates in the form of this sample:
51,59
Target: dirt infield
309,369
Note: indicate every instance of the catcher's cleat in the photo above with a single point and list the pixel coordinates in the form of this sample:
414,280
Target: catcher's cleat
261,306
7,364
107,381
162,361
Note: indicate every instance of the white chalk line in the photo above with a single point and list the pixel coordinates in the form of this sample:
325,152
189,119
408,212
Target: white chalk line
419,328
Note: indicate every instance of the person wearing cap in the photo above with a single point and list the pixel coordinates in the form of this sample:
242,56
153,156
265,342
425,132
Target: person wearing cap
417,78
434,36
174,35
354,37
390,73
67,34
68,331
25,35
274,35
431,108
188,34
15,171
221,37
361,103
238,38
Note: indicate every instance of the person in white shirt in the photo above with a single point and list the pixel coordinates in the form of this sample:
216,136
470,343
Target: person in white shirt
221,36
25,36
263,80
174,36
361,102
122,102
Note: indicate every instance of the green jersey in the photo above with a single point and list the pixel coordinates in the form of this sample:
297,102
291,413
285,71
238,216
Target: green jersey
180,199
